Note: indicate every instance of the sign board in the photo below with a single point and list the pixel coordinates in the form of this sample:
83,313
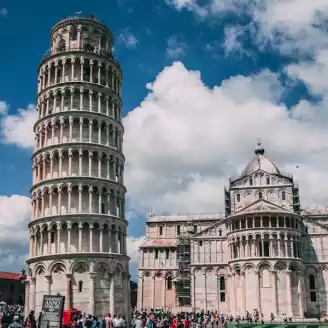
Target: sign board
52,311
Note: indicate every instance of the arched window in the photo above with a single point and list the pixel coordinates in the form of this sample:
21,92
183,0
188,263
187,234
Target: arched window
312,285
74,33
60,46
169,283
102,208
80,286
52,237
311,281
222,288
283,195
267,180
250,181
260,195
220,233
238,198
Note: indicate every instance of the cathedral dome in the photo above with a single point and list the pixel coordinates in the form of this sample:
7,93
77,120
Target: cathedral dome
260,162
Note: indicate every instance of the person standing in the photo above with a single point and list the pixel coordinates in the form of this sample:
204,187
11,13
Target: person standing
15,323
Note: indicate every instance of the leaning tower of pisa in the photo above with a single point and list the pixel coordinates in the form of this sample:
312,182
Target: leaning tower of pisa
78,228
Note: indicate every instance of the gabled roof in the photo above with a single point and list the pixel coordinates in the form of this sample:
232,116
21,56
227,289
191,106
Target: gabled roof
163,242
262,206
214,225
9,275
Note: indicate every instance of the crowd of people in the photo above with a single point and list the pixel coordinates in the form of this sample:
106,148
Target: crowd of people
167,319
12,316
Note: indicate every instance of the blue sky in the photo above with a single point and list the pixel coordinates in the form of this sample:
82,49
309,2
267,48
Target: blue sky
204,81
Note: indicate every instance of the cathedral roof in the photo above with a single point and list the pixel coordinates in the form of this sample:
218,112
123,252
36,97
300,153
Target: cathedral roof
163,242
260,162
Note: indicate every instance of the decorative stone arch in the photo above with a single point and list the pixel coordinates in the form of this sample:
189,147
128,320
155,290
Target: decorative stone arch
158,274
45,188
39,266
256,234
118,268
221,270
169,274
209,270
310,269
102,267
146,274
197,271
264,264
44,227
248,266
75,221
54,264
281,266
54,187
52,224
104,224
76,265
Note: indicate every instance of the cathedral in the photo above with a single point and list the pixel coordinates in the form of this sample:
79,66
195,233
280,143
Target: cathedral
264,253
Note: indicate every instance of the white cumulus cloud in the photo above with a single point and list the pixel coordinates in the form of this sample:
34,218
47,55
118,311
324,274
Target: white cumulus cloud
290,26
15,214
133,244
185,140
17,128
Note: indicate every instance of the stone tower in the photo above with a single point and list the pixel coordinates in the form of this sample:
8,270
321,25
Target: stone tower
78,228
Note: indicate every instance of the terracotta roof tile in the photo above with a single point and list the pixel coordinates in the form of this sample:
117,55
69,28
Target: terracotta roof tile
9,275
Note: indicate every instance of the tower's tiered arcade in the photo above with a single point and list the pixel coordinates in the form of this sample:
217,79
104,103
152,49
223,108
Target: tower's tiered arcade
78,229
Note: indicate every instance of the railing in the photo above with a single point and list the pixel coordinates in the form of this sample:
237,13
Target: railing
80,15
80,48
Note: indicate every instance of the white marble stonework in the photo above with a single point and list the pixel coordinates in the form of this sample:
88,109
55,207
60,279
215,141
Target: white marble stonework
78,229
264,254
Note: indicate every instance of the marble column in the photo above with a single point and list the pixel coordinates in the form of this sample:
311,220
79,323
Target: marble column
112,295
301,293
274,291
153,294
233,294
27,298
243,286
68,292
129,314
48,280
289,311
141,294
258,290
32,294
125,280
93,276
